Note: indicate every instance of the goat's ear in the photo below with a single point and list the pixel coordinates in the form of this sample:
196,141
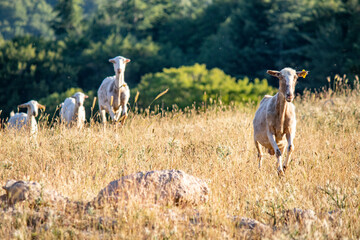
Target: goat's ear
86,96
127,60
273,73
112,60
302,73
41,106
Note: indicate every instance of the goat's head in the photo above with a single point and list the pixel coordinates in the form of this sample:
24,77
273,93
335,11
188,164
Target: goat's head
287,81
79,98
32,107
119,63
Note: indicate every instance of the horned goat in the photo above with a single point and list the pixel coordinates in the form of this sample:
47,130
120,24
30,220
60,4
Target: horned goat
114,93
73,111
26,120
275,120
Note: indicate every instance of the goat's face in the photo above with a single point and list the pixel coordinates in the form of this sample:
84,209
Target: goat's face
32,107
287,81
79,98
119,64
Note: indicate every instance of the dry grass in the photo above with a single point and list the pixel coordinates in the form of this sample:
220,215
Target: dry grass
217,146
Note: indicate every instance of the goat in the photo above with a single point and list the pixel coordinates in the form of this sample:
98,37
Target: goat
114,93
72,110
275,121
27,120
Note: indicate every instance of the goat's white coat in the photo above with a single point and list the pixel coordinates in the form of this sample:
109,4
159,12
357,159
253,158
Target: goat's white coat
114,93
275,121
72,110
20,120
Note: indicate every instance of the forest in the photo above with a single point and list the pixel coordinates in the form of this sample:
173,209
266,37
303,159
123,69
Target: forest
49,48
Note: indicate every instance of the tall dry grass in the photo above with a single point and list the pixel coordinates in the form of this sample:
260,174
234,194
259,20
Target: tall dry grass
216,145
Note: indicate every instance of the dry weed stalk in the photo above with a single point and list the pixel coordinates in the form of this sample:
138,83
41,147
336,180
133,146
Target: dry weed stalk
215,145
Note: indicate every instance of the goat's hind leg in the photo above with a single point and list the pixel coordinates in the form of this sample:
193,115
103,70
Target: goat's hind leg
124,114
117,115
112,114
103,118
103,115
260,154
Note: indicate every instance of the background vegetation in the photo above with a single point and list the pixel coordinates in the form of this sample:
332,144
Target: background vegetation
49,46
196,84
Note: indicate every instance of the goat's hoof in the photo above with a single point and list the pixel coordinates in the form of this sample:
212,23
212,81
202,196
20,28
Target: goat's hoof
280,172
284,168
123,119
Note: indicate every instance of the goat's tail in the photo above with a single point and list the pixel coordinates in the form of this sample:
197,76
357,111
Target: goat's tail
12,114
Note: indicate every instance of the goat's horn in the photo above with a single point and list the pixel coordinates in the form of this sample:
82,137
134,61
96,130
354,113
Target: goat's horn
24,105
41,106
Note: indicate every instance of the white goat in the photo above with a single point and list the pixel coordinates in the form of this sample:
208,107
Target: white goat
275,121
27,120
114,93
72,110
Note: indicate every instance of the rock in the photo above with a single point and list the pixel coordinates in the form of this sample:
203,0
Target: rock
155,187
252,224
251,228
300,215
32,192
334,215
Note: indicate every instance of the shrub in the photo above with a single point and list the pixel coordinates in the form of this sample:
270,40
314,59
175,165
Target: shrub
189,84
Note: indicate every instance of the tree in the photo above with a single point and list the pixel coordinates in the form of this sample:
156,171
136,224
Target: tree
21,17
241,44
31,68
68,18
144,55
334,44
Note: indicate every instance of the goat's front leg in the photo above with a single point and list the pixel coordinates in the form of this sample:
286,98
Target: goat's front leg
272,141
290,148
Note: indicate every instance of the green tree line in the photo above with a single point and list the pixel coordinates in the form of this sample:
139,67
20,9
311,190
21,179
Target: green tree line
49,46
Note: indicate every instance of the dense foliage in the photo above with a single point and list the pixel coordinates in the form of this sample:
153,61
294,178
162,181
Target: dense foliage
49,46
196,84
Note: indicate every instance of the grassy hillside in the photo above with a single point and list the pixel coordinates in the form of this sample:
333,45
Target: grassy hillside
217,146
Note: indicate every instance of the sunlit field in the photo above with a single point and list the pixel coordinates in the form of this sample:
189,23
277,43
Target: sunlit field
215,145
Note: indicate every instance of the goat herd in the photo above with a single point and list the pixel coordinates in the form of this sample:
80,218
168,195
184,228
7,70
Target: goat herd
274,122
